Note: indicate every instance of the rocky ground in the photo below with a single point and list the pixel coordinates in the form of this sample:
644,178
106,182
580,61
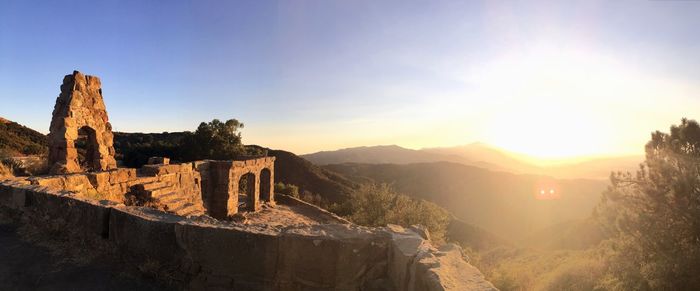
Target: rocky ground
285,215
28,264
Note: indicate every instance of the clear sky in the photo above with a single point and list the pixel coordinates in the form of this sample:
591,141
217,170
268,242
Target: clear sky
550,79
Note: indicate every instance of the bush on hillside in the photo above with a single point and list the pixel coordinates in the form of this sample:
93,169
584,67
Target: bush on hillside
379,205
287,189
511,268
19,140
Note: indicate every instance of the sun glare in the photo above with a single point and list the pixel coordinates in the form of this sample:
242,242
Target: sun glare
553,103
547,190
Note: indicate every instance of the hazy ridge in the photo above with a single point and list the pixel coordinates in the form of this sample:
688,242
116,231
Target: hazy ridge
476,154
500,202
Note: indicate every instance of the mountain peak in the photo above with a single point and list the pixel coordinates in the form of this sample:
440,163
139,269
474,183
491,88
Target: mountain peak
3,120
479,144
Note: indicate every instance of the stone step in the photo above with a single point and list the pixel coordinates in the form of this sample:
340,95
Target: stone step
190,211
158,192
155,185
174,203
145,180
167,195
185,208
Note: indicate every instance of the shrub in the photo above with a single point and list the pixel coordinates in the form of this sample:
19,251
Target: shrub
287,189
379,205
528,269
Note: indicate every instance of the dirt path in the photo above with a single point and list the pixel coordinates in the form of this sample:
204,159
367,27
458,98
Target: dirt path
26,266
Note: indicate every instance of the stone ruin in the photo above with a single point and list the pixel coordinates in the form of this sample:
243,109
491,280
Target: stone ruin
81,143
89,196
80,113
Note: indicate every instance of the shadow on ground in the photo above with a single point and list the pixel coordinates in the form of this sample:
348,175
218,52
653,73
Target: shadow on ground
27,266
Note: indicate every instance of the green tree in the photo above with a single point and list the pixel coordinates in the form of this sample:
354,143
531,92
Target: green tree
654,215
214,140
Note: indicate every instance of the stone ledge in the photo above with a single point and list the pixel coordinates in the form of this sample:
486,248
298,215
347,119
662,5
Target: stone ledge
258,257
415,265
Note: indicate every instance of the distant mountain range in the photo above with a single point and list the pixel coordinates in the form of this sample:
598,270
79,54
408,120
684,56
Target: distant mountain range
503,203
476,154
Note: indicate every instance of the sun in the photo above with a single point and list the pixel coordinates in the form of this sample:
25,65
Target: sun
552,103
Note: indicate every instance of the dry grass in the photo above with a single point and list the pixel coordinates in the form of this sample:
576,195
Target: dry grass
38,167
6,171
31,166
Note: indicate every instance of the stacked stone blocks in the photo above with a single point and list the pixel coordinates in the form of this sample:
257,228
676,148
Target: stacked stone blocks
222,181
80,109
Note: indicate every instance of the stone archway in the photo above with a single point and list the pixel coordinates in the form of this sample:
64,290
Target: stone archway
86,147
80,107
247,200
266,185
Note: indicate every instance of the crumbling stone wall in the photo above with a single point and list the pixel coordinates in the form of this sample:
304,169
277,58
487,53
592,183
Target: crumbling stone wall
221,179
80,110
109,185
206,255
196,188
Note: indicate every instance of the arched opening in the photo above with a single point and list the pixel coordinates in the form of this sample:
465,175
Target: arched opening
246,193
87,148
265,185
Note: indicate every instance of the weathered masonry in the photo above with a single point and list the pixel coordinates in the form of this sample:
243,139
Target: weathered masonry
81,154
230,186
80,116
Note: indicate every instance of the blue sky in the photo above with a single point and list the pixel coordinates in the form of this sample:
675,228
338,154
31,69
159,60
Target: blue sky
542,78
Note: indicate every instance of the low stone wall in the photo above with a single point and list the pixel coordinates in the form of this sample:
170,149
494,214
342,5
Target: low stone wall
208,254
112,185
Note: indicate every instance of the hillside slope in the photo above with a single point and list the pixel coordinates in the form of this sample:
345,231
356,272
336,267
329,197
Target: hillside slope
384,154
16,139
503,203
292,169
487,155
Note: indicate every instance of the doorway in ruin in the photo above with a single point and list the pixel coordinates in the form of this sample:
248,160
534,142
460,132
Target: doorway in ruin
86,147
265,185
246,193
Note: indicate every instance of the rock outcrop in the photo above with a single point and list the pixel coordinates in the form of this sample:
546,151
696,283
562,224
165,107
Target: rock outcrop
415,264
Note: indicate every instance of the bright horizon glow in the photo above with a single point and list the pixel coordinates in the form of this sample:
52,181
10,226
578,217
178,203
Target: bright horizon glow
553,82
561,104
